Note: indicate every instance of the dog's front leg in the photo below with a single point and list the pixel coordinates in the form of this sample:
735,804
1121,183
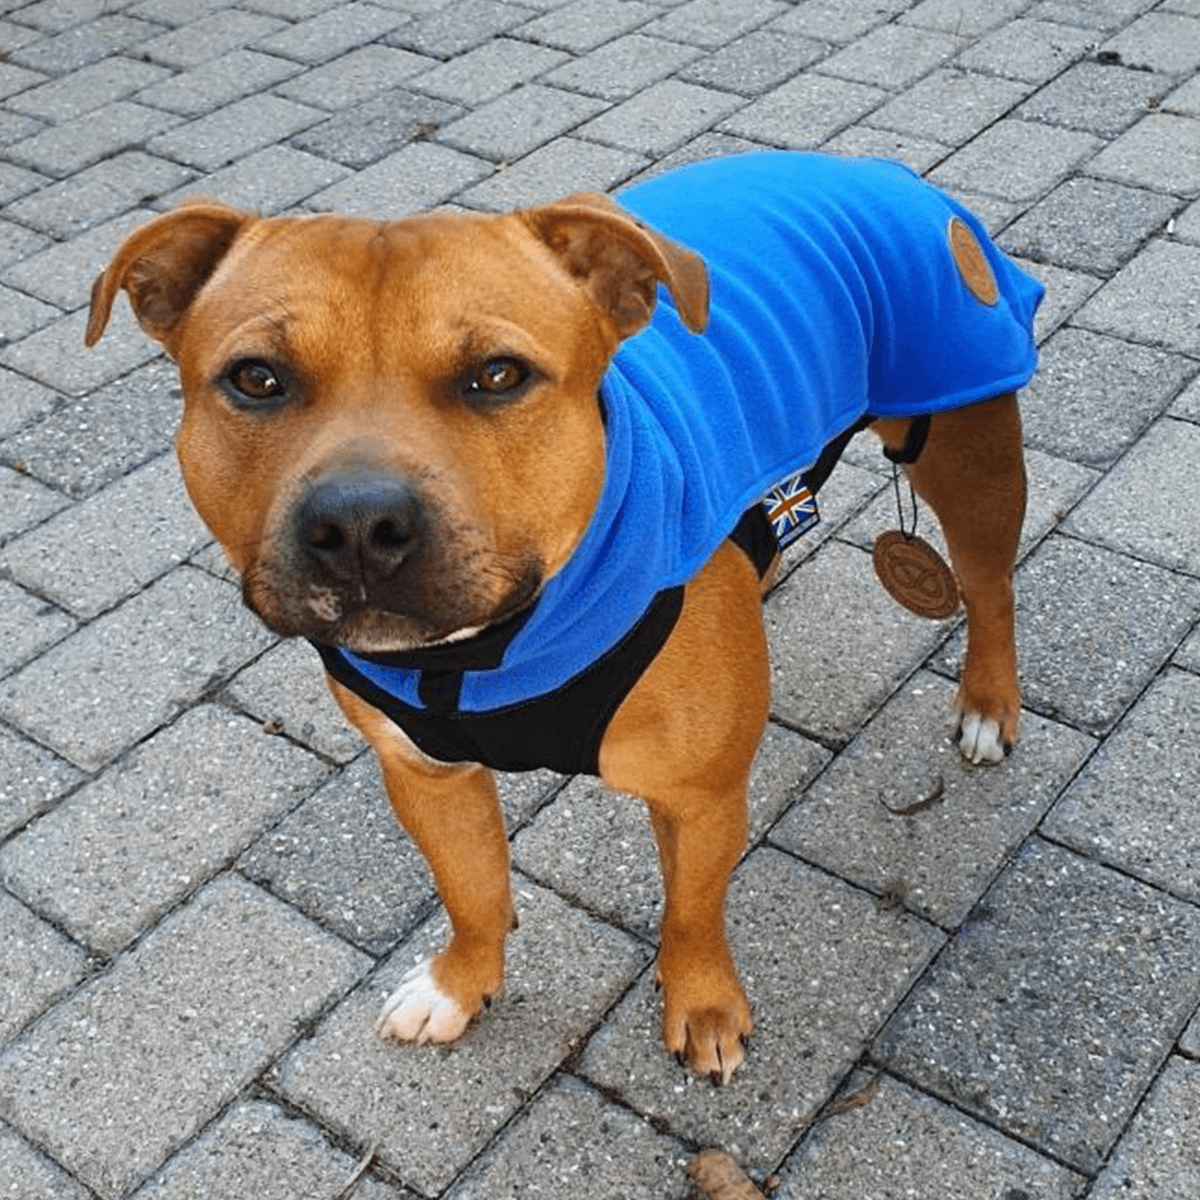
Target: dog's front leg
452,813
684,740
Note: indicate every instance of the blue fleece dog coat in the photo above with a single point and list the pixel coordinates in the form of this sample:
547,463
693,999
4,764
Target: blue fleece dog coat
836,296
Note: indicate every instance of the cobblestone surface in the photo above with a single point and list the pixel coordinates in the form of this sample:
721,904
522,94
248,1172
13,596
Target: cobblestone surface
203,895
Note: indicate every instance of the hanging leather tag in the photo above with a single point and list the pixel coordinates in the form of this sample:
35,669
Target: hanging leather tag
915,575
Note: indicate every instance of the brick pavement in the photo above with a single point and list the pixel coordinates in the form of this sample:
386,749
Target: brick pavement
202,894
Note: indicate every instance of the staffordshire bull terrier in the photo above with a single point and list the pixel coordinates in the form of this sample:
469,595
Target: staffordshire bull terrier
521,479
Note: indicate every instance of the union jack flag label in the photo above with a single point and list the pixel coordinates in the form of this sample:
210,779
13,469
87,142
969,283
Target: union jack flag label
791,508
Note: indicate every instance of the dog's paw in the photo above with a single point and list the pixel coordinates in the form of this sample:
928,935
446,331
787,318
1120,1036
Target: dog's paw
419,1011
980,739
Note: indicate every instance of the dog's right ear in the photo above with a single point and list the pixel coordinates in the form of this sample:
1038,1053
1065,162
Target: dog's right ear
163,265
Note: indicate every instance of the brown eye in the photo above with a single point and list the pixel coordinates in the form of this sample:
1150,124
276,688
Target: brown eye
500,376
254,380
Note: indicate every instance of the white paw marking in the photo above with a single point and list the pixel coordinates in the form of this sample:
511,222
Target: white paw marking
419,1011
979,739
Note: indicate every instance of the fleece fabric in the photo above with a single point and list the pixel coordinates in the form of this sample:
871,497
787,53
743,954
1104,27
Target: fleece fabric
835,296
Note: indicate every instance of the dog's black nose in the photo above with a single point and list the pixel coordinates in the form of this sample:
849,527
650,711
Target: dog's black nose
360,527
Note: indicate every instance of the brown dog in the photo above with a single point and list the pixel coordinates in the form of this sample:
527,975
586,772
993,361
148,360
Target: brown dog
393,430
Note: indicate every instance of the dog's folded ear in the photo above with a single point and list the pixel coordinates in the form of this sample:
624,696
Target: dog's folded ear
620,261
163,264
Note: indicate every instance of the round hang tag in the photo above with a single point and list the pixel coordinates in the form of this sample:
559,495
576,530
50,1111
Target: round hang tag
915,575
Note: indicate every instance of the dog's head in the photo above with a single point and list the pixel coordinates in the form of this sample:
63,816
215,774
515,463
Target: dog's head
392,428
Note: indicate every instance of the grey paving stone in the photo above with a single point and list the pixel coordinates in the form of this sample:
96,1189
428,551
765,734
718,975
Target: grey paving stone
31,1175
1097,97
136,1063
37,964
1056,1006
1156,1158
893,56
660,118
31,778
354,77
20,315
95,553
839,644
430,1110
16,182
17,242
52,355
1031,50
120,677
1091,14
286,690
414,179
713,23
565,165
269,181
82,91
1153,299
83,444
1185,99
376,128
595,847
114,857
1016,160
445,31
183,12
64,149
488,71
63,272
1066,292
572,1141
1190,1042
234,131
1090,225
755,63
27,625
1127,806
96,39
1093,628
53,16
1187,405
519,122
24,402
343,859
1141,506
901,814
950,106
210,35
582,25
904,1143
804,112
823,966
100,193
963,17
218,82
622,67
1094,395
256,1149
319,38
14,80
1161,151
1159,41
838,22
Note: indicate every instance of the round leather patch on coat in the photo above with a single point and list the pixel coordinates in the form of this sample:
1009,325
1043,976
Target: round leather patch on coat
915,575
972,263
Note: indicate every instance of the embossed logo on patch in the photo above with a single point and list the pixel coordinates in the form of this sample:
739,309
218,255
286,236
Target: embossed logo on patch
915,575
972,263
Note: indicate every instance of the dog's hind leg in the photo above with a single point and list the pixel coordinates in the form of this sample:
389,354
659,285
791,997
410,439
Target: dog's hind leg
971,472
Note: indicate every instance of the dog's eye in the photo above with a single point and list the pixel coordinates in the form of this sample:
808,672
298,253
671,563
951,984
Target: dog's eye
255,380
499,377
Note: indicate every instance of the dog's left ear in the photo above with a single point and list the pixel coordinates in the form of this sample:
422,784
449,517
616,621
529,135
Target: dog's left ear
620,261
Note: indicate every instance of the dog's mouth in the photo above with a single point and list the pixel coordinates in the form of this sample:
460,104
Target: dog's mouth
382,619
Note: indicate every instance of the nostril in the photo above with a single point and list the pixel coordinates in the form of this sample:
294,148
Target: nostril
390,535
325,535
